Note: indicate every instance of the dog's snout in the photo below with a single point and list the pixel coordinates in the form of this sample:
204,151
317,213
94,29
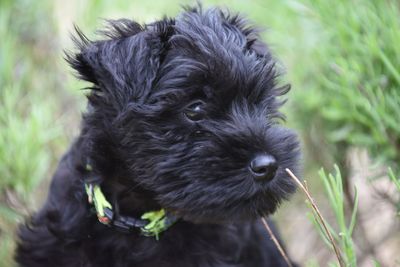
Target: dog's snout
263,167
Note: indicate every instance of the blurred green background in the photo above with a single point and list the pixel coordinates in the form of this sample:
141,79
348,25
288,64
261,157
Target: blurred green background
341,57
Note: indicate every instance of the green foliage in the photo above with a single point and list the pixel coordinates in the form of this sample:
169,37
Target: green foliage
396,181
24,150
24,113
28,133
348,93
344,223
352,77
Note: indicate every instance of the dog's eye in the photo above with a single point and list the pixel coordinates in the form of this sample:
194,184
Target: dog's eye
195,111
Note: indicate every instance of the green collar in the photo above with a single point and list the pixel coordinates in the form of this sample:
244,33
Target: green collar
151,223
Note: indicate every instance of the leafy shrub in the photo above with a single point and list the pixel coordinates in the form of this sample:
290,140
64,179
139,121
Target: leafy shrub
28,133
353,80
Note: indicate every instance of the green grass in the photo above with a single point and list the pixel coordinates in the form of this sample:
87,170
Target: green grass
29,134
348,96
354,98
340,238
333,185
344,218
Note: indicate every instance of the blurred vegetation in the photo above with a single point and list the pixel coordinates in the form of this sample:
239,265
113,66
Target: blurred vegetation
354,98
348,95
333,185
342,59
28,132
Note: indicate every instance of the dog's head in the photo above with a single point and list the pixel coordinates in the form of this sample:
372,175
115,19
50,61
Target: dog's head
187,110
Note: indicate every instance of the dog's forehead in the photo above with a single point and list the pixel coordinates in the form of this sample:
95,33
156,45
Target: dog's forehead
212,48
210,27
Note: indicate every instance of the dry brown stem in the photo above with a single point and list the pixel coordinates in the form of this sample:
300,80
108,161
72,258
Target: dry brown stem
276,242
320,218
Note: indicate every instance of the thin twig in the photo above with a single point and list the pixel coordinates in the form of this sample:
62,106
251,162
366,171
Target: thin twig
321,219
275,240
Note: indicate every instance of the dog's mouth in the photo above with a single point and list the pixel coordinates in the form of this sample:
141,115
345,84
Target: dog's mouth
243,203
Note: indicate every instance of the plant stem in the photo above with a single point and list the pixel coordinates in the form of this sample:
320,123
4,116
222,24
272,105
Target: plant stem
321,219
275,240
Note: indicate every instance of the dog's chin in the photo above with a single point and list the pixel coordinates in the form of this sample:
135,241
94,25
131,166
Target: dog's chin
242,213
212,219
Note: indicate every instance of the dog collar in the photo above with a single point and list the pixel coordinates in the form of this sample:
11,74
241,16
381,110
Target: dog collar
151,223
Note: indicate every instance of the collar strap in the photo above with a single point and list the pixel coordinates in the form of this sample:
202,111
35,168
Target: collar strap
151,223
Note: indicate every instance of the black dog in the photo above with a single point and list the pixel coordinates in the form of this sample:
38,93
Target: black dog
180,151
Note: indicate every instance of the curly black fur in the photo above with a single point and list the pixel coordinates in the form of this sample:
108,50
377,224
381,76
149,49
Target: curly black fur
147,154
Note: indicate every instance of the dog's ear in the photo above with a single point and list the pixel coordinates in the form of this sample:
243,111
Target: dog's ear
123,66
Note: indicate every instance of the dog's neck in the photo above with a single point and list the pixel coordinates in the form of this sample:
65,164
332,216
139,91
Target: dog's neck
126,208
131,198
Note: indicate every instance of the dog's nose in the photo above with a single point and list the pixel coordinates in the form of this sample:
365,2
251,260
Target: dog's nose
263,167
